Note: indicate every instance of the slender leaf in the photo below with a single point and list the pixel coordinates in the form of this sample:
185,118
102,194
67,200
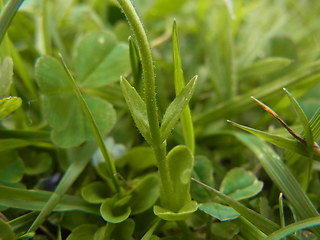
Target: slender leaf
186,120
7,14
287,143
221,212
175,109
137,108
35,200
303,119
281,176
294,227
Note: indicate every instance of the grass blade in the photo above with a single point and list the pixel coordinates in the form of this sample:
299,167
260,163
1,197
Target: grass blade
186,120
287,143
281,176
7,14
264,224
294,227
35,200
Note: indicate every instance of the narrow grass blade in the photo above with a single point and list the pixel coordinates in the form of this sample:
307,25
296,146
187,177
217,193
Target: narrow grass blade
304,120
303,224
281,176
286,143
136,67
137,108
175,108
104,151
265,225
281,211
7,14
186,120
151,230
35,200
74,170
21,224
250,231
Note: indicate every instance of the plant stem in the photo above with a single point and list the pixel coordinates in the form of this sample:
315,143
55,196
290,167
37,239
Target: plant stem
147,66
158,147
187,234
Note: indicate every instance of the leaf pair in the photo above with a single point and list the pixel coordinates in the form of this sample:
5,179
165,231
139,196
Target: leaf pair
138,109
99,60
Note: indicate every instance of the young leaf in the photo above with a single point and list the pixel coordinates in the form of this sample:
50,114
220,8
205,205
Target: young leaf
136,66
180,164
221,212
175,109
115,209
9,105
6,73
137,108
179,84
240,184
144,194
95,192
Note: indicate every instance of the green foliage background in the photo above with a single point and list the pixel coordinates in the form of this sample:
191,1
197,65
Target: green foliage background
50,160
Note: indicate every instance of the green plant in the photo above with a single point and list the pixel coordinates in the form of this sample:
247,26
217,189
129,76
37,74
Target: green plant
101,137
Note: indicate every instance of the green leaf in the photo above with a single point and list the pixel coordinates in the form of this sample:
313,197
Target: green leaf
36,163
250,231
224,230
6,231
202,171
186,120
6,73
281,176
100,59
175,109
138,159
11,167
304,120
180,165
35,200
123,230
136,66
283,142
264,67
61,109
294,227
9,105
144,194
137,108
221,212
95,192
85,231
182,214
240,184
115,209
